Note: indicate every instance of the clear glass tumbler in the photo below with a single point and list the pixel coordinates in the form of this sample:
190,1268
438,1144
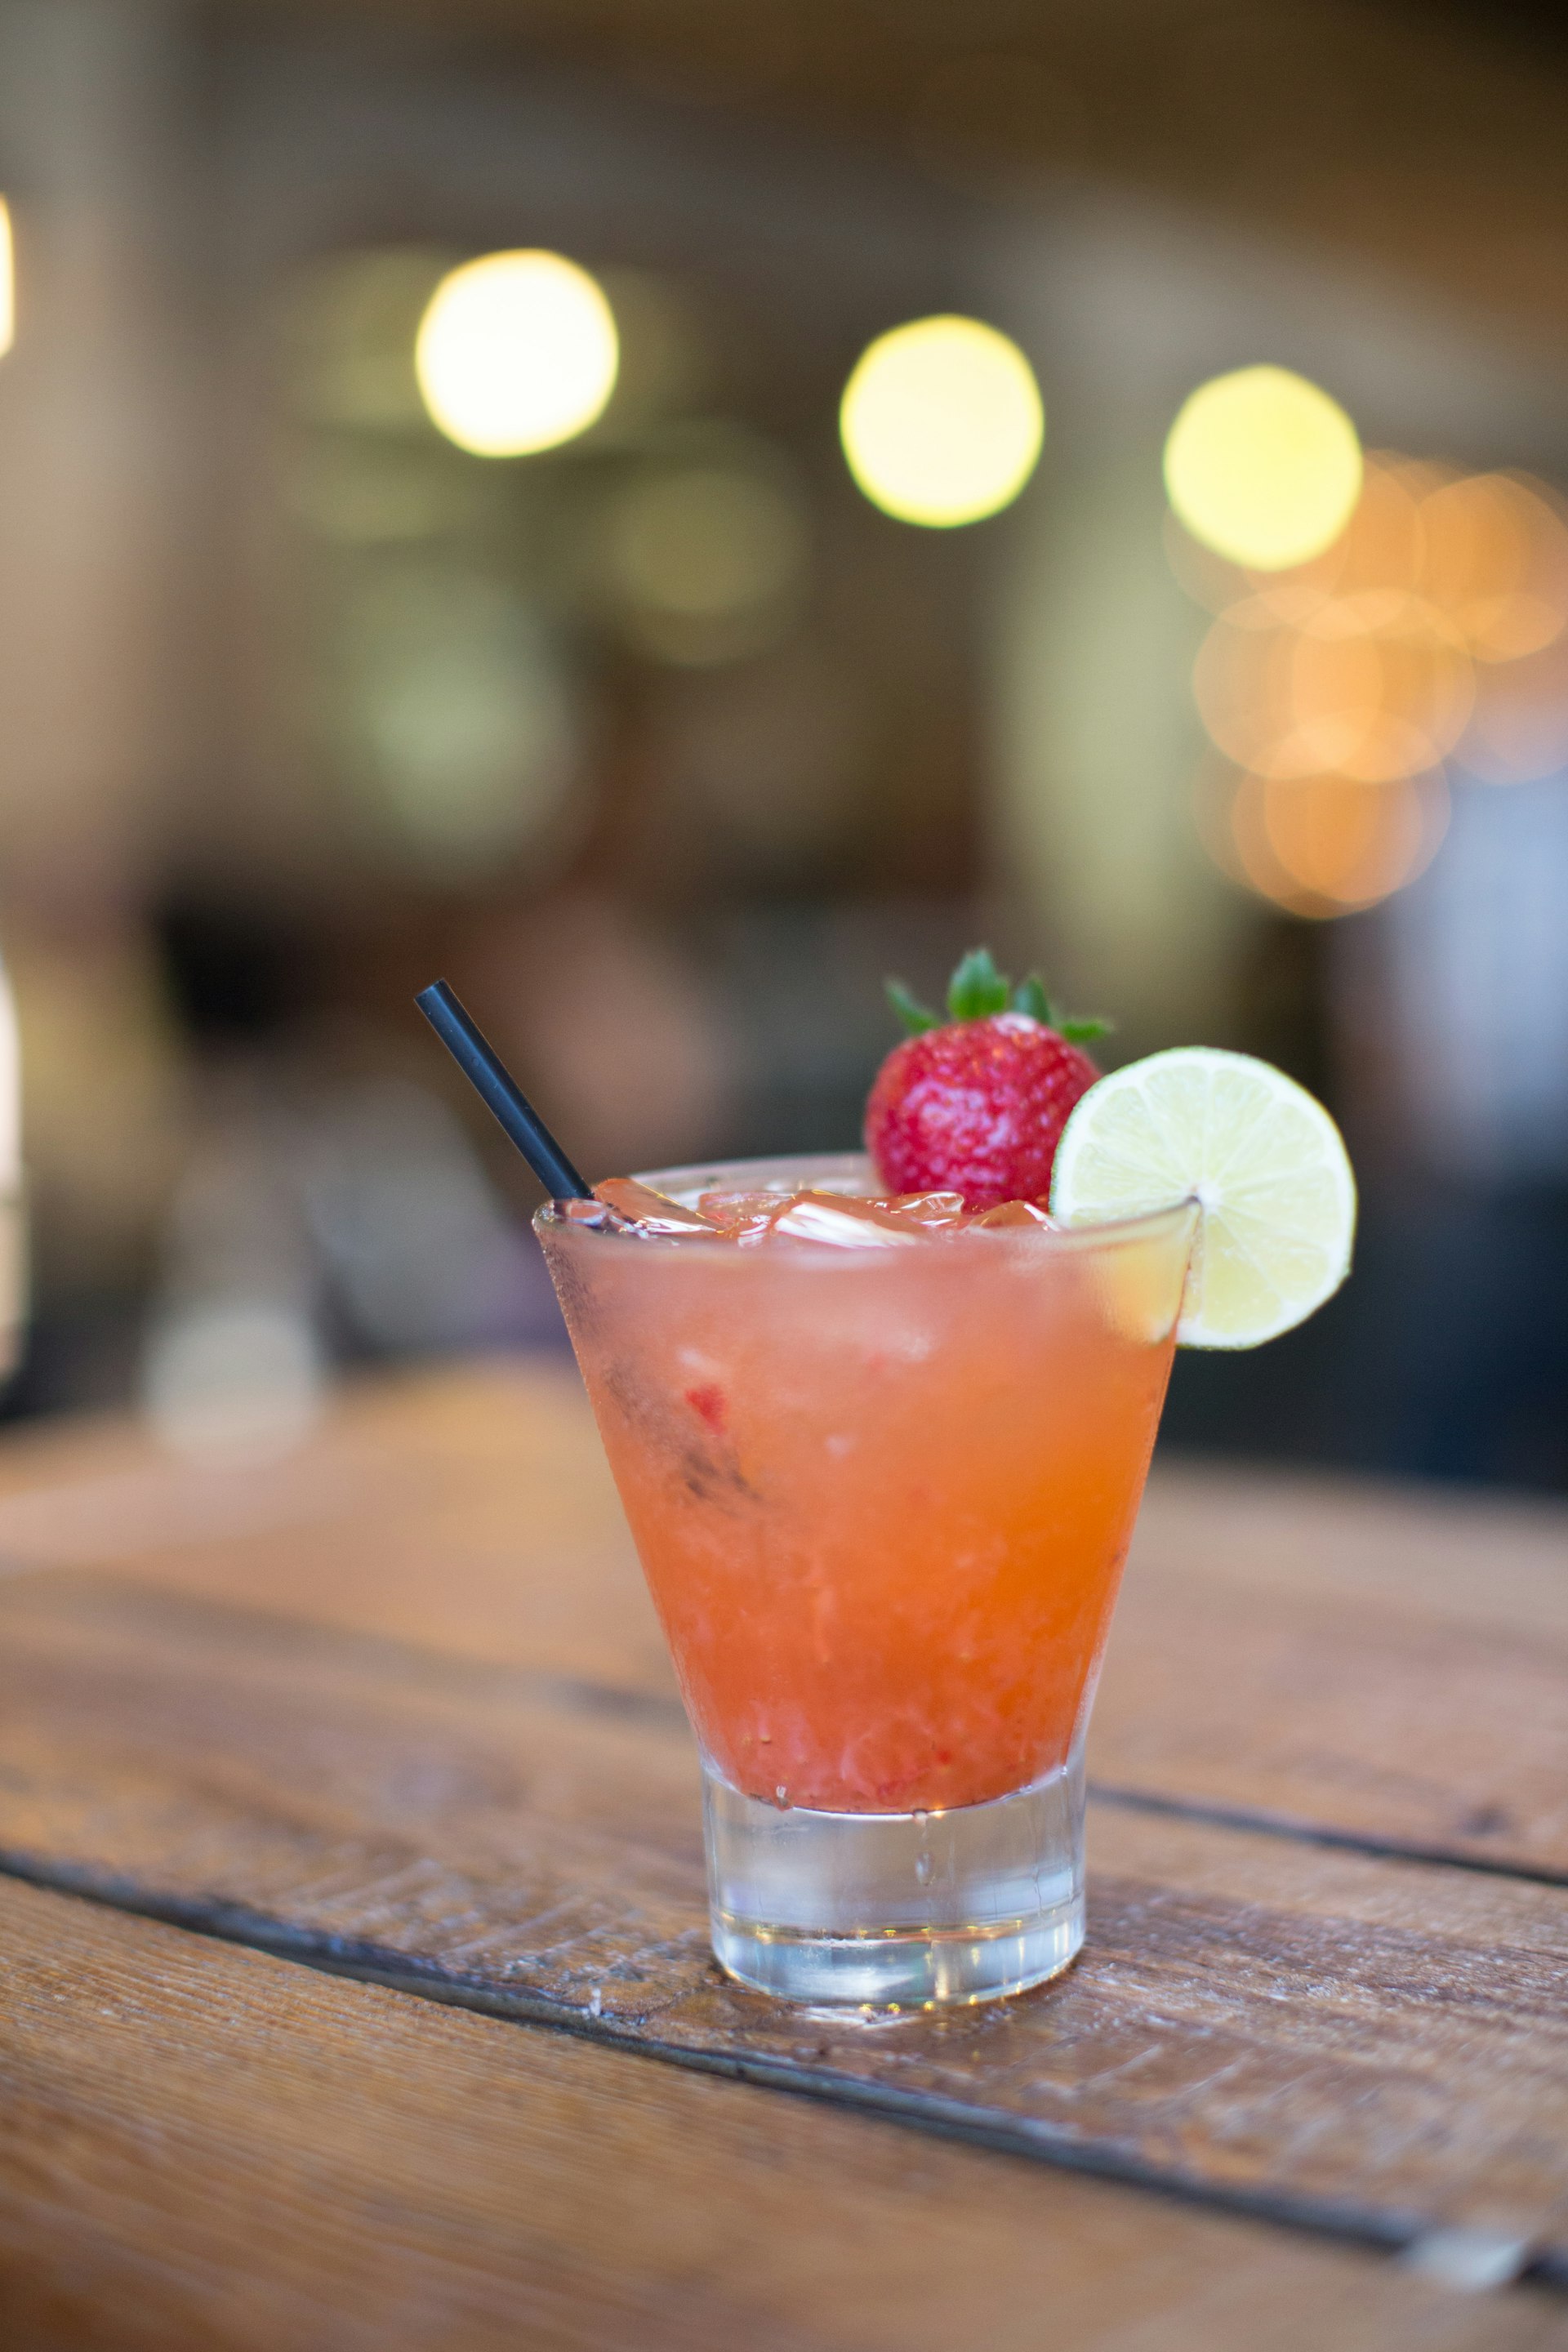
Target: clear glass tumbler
882,1497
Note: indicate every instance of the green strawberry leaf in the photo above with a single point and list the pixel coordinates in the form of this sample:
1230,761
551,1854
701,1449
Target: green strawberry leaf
916,1017
976,989
1030,997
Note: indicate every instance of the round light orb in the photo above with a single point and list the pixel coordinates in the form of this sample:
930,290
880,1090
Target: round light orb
1327,845
942,422
1263,467
516,351
707,559
459,722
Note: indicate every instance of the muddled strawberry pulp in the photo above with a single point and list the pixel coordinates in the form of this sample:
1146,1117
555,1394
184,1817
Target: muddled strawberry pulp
835,1220
880,1461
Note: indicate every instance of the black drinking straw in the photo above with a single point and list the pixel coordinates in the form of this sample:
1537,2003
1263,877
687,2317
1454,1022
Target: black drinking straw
482,1065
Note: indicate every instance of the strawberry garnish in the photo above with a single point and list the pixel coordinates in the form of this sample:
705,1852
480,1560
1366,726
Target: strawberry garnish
975,1104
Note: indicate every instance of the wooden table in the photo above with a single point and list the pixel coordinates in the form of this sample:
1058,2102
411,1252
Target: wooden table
355,1982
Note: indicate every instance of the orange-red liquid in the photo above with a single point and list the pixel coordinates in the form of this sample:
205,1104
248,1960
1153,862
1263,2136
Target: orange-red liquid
882,1497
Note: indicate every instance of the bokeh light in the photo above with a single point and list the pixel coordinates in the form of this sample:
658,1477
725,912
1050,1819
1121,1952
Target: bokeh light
942,422
7,281
456,717
1495,560
1359,686
1263,467
706,557
1324,845
516,353
1431,634
349,323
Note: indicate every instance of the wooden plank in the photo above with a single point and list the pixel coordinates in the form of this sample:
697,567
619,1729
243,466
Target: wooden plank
1380,1664
1385,1666
470,1509
1373,2044
205,2147
504,1454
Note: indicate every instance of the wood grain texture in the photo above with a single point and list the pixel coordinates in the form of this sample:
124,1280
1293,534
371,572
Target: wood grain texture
1335,1655
1375,2044
209,2150
1347,1657
469,1509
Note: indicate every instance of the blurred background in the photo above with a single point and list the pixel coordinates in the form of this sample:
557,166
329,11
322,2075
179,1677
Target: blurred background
459,514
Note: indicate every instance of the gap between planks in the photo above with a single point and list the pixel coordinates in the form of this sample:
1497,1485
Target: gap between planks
371,1964
123,1663
367,1963
1264,1823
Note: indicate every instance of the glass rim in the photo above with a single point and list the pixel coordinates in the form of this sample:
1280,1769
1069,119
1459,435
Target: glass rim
847,1173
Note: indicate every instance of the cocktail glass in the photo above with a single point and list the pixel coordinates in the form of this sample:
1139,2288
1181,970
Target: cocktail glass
882,1497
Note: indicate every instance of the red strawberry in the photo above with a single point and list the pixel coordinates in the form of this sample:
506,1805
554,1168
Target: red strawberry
976,1104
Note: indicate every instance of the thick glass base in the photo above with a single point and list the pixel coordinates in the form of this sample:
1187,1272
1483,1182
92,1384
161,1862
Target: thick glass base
898,1910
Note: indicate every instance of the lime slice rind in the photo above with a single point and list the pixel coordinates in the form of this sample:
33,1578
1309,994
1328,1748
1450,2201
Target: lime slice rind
1261,1156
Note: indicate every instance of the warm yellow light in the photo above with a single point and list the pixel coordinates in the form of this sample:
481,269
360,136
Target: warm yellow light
1263,467
1323,846
1369,687
7,281
942,422
1495,555
516,351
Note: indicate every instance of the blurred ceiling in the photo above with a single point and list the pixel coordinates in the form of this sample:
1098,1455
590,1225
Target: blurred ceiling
1429,138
